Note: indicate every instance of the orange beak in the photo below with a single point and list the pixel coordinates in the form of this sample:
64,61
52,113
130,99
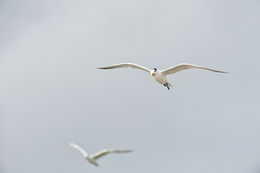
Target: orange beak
153,74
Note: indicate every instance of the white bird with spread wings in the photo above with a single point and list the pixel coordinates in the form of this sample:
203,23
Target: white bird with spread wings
93,158
161,75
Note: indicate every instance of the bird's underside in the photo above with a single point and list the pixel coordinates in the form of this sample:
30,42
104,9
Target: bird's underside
161,76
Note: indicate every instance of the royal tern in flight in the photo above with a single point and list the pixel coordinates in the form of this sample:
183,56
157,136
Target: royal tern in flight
93,158
160,75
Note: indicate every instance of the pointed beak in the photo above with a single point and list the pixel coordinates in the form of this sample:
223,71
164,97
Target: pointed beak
153,74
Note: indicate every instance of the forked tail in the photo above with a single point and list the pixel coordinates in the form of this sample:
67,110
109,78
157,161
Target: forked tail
167,85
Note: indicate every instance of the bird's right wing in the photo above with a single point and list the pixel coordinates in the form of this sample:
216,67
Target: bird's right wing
85,154
181,67
126,65
105,152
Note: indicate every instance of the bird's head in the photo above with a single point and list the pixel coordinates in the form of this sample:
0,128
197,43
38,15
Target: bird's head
154,72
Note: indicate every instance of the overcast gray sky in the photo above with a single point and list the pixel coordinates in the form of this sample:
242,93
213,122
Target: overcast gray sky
52,93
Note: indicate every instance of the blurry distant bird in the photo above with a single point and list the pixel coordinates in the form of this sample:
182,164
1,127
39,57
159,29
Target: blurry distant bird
93,158
160,76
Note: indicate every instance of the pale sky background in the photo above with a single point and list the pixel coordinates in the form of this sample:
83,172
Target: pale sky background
52,93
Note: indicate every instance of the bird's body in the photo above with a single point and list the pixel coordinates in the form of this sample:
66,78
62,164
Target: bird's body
161,78
93,158
92,161
161,75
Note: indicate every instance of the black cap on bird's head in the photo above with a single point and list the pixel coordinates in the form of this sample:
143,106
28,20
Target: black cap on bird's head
154,70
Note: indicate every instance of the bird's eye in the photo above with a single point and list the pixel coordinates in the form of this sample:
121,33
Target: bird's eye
155,69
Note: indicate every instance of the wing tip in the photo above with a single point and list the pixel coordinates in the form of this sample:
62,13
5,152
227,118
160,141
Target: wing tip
129,151
72,144
100,68
222,71
126,151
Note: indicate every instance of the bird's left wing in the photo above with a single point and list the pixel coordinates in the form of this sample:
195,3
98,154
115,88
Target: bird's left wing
181,67
73,145
105,152
126,65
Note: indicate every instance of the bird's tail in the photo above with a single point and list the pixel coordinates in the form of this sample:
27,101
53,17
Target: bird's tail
168,85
